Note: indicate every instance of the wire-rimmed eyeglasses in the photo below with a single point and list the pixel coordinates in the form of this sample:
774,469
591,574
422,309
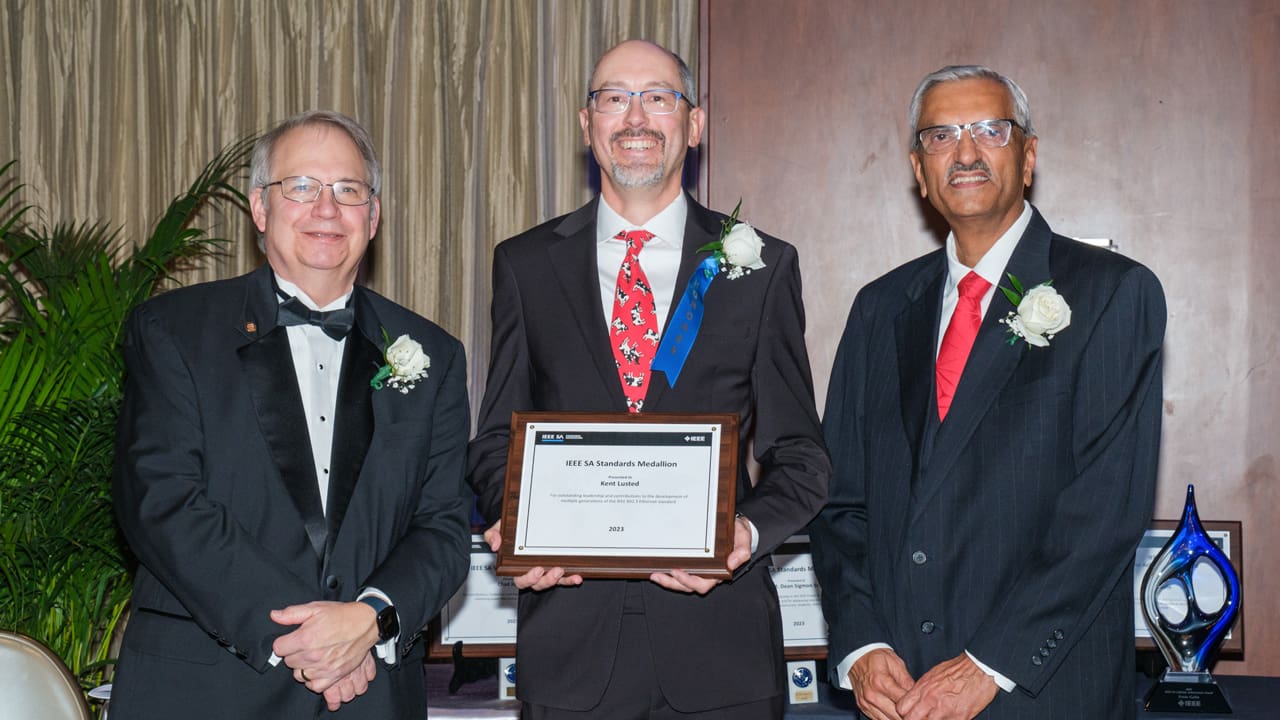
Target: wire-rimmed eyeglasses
994,133
303,189
615,101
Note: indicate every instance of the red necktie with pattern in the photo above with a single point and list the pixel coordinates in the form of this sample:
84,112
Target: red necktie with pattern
633,331
958,340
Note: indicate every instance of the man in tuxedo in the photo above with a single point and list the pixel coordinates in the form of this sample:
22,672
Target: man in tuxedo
292,488
580,304
994,456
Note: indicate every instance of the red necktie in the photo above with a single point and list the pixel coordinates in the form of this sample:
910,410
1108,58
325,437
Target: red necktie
633,331
958,340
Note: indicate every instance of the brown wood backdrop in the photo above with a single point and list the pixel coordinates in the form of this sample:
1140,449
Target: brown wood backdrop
1159,124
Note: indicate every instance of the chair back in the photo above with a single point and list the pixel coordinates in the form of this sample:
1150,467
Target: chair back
34,684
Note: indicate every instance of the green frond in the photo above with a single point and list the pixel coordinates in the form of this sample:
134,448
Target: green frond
65,292
66,579
9,214
173,240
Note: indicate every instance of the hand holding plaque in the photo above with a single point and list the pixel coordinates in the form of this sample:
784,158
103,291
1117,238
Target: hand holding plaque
1189,643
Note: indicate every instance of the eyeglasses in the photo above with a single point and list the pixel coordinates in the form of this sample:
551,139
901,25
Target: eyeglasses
612,101
987,133
303,189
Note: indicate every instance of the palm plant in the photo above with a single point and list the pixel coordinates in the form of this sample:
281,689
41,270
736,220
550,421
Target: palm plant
65,293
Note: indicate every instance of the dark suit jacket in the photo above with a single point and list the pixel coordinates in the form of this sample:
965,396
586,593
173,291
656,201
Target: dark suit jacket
1013,536
215,490
551,352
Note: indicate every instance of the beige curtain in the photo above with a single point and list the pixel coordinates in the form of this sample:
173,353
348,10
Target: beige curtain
112,106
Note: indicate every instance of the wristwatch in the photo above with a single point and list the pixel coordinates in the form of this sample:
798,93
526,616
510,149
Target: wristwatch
388,620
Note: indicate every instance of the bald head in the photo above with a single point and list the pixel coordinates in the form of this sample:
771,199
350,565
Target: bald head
655,55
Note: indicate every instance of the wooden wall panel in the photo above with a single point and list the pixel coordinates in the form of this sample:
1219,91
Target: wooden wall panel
1158,125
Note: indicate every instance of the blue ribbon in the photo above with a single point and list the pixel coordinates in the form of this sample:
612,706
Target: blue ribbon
678,339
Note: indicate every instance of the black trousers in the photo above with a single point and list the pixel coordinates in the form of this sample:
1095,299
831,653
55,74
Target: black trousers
633,692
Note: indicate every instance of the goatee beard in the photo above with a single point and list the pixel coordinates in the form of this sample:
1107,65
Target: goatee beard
642,176
635,177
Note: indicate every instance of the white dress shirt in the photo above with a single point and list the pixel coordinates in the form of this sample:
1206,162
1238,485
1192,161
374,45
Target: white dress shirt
660,257
317,361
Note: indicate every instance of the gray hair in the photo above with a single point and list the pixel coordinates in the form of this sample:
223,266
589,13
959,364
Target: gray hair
688,86
951,73
687,82
260,165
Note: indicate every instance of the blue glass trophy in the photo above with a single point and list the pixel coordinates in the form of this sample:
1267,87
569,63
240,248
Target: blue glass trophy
1189,643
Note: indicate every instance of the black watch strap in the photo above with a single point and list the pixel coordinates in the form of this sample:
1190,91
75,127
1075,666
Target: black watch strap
388,620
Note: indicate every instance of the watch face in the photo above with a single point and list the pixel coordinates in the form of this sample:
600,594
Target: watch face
388,624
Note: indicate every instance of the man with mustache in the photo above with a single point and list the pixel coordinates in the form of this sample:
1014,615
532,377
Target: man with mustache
994,451
579,308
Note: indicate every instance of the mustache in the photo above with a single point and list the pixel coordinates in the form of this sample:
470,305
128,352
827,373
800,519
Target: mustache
638,133
975,166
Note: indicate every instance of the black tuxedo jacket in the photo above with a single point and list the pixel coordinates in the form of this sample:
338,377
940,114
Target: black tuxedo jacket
1009,529
215,490
551,352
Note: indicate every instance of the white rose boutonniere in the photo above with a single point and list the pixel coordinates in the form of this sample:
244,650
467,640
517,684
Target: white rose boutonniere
406,364
1041,313
739,247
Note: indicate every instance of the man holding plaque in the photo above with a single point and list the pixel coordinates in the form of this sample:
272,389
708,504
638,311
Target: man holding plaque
581,306
994,424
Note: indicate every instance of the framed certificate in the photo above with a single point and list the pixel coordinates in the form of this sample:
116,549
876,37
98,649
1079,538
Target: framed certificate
1227,535
619,495
804,629
481,614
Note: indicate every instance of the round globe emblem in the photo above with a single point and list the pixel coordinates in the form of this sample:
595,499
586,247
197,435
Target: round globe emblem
802,678
510,672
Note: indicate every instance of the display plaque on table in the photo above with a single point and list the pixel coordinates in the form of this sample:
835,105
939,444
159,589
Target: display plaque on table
620,495
481,614
804,629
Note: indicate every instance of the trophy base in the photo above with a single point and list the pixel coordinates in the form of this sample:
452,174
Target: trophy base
1189,692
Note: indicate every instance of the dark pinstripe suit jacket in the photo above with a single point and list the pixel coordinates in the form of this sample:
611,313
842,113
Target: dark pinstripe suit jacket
1009,529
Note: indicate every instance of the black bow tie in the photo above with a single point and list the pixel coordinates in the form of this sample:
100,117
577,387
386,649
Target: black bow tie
335,323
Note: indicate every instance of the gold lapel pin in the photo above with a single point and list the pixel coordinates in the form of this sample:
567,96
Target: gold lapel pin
250,327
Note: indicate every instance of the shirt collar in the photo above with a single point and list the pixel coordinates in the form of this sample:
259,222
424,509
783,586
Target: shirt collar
992,265
667,226
290,289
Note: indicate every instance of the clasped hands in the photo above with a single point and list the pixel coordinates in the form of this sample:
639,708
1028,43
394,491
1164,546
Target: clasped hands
955,689
540,578
329,650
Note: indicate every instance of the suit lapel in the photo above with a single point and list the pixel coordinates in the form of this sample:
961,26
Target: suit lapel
991,361
916,330
267,363
573,260
354,419
701,226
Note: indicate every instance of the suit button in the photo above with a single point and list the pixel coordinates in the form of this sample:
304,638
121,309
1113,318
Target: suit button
918,557
332,582
1035,660
1051,643
1057,635
1044,652
926,627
